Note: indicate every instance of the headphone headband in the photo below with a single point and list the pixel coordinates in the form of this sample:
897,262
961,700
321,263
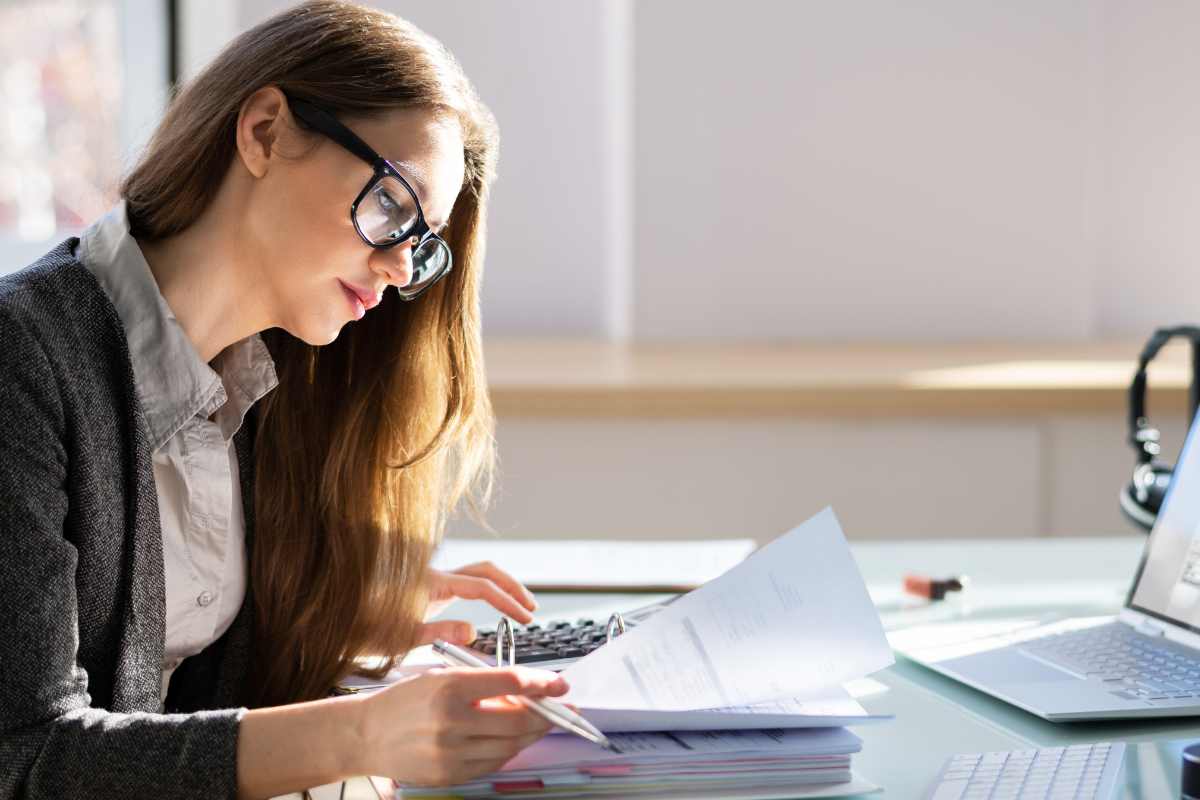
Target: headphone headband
1138,422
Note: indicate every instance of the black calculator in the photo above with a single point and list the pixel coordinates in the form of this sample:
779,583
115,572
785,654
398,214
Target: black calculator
540,644
558,643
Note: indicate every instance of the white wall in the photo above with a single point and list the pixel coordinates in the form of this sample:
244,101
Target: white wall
632,479
887,478
864,170
1148,265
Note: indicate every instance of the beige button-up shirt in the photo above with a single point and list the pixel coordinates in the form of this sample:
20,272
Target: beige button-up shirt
193,410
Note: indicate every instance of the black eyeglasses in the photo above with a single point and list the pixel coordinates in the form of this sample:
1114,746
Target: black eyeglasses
386,212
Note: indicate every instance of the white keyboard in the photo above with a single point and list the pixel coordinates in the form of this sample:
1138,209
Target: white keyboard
1079,772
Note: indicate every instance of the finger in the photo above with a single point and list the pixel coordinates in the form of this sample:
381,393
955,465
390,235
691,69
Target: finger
509,720
470,684
486,569
500,748
471,588
451,630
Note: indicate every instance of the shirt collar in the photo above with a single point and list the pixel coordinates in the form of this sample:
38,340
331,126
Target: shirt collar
173,382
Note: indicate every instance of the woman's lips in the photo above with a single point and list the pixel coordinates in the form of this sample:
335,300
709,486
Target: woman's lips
356,302
369,298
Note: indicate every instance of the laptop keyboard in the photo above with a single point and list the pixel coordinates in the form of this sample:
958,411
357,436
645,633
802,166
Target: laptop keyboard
1079,772
1135,666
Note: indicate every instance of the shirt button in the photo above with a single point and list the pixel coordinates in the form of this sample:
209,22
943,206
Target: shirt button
204,598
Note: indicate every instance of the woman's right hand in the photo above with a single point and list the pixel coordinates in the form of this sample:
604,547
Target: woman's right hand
449,725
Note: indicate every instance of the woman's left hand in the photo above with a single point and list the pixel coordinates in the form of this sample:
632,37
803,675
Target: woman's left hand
482,581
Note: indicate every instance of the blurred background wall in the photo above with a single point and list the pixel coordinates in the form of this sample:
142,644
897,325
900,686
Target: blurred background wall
942,172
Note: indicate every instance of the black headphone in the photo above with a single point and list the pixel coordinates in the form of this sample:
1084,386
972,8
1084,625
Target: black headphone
1143,496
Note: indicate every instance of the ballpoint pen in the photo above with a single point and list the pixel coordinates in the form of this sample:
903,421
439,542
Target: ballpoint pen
550,710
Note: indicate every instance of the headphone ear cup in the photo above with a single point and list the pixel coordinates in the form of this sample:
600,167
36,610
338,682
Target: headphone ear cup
1142,498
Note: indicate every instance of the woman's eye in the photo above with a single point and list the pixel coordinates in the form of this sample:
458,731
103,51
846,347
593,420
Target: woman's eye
386,202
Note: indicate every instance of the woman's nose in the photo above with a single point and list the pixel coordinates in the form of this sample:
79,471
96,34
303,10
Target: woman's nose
394,264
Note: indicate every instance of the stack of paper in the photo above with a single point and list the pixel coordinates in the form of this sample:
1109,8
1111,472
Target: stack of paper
673,764
767,645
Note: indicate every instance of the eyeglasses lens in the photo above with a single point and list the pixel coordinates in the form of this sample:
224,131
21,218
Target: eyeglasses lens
387,212
430,260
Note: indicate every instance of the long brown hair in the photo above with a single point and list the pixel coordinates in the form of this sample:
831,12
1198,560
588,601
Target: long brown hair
368,443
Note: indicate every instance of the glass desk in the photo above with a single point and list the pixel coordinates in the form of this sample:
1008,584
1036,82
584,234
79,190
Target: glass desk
936,717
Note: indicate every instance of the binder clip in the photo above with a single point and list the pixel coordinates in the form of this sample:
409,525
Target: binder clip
615,627
506,642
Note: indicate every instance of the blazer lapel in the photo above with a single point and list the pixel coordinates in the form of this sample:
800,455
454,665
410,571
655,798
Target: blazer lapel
138,670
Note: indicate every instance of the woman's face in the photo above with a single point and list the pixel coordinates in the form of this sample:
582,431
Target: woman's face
315,261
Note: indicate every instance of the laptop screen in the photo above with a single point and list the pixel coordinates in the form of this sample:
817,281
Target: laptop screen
1168,582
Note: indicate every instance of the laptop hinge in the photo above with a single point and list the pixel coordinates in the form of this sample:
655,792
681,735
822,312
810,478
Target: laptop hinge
1147,628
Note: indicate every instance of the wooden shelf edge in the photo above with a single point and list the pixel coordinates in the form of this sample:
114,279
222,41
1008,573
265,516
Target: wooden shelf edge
865,402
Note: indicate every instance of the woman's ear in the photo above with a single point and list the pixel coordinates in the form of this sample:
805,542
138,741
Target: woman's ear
259,125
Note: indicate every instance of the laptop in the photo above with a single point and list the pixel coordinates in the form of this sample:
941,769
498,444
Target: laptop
1145,662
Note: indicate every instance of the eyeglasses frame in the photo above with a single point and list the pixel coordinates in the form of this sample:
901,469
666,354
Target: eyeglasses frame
327,124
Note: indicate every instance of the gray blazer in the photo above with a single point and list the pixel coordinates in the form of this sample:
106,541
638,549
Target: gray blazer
82,594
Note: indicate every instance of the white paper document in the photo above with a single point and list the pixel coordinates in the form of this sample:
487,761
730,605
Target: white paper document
793,620
837,708
584,563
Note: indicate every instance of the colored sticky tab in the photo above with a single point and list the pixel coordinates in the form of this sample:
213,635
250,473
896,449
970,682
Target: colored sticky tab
607,770
514,787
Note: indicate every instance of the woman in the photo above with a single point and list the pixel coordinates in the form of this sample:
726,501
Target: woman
213,499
